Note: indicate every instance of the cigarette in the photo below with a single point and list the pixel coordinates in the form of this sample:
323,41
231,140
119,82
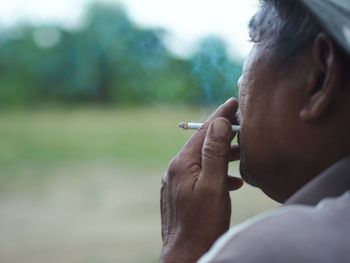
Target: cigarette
196,126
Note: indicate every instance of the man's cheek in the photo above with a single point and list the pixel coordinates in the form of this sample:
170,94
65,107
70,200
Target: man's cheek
243,103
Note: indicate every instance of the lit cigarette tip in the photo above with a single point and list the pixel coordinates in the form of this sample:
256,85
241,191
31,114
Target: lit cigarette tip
182,125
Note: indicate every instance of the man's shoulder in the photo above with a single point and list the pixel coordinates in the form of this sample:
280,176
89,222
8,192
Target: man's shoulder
293,233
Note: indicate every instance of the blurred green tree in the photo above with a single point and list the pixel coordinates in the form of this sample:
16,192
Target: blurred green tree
216,73
108,61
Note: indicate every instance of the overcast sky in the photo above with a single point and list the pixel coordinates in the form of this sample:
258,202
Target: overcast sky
186,20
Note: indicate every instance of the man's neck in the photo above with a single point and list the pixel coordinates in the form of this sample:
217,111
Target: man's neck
333,182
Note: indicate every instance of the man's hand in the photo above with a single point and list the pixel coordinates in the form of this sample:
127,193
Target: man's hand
195,201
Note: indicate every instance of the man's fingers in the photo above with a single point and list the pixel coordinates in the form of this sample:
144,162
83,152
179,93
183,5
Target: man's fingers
234,153
193,147
234,183
215,151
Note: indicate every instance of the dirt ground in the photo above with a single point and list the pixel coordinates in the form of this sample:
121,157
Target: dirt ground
91,212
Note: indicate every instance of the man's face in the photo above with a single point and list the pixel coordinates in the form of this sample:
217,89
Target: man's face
269,118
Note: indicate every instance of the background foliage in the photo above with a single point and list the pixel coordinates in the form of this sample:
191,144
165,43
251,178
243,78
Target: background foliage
88,123
109,60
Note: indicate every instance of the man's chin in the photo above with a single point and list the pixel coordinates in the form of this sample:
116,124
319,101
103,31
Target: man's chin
245,174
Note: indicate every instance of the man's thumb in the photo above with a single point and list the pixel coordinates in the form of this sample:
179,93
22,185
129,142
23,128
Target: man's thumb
216,148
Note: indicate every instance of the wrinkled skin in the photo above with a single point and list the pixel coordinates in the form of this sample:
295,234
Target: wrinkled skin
195,199
294,124
270,124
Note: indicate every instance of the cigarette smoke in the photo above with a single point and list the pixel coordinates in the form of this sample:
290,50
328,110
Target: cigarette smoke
216,73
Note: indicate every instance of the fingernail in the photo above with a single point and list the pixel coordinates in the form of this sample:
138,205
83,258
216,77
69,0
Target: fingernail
221,128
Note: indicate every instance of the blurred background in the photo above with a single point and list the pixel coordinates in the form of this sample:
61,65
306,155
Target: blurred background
90,96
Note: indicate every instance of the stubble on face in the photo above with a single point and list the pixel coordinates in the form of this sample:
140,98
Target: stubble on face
263,113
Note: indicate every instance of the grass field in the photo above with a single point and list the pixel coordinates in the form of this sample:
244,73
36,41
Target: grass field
82,185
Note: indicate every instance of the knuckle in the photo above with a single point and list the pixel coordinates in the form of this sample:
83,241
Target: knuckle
193,168
173,167
182,165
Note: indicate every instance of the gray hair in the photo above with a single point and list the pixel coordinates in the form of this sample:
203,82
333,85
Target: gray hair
285,26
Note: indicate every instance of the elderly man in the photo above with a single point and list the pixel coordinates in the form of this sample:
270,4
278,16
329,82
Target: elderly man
294,144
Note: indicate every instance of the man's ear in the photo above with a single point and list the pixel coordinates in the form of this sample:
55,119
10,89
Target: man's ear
324,79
